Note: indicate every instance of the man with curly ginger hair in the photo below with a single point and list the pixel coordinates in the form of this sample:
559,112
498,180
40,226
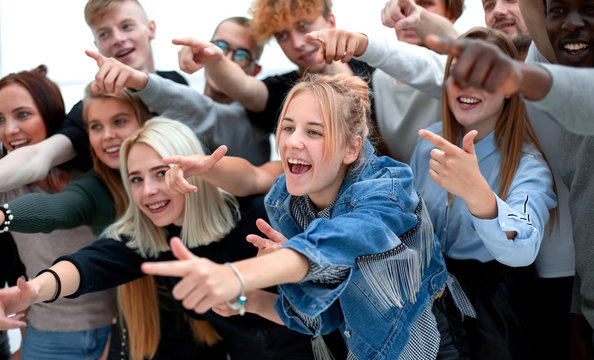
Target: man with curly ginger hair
288,21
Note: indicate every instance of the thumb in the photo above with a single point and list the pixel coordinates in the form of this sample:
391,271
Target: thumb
468,141
219,153
179,250
272,234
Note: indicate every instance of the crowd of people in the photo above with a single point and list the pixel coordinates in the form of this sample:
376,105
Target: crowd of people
431,200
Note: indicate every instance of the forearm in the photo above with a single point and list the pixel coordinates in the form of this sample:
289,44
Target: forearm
415,65
32,163
434,24
280,267
239,177
262,303
235,83
46,284
536,82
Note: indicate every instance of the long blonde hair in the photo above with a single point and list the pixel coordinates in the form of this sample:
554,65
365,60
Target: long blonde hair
210,212
215,212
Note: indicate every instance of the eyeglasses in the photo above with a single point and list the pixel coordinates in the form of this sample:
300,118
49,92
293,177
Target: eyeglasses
240,56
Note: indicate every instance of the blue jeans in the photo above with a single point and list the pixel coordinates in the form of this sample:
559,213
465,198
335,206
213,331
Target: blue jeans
64,345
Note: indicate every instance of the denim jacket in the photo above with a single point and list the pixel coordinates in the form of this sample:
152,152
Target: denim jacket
380,230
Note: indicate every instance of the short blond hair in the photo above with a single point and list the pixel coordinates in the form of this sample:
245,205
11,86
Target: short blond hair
96,9
271,16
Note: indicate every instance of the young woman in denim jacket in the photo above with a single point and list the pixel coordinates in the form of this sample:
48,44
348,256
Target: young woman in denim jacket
360,256
489,202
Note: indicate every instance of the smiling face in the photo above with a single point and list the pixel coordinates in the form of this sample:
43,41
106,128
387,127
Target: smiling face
475,109
435,6
146,174
570,28
110,122
505,15
302,53
301,143
125,34
21,123
238,37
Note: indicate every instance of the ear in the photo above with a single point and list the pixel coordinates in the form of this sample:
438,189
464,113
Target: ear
152,29
257,70
353,150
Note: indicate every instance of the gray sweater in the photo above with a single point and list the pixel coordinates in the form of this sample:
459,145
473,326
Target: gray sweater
214,123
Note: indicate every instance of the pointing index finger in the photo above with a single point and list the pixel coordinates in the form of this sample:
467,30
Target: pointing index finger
164,268
95,56
437,140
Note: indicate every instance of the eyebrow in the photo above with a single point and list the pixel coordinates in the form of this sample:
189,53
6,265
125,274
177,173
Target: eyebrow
315,123
155,168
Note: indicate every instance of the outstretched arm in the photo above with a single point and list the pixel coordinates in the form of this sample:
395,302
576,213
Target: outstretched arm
227,75
32,163
206,284
485,66
42,288
232,174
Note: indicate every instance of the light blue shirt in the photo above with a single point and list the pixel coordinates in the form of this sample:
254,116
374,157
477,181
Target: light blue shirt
525,211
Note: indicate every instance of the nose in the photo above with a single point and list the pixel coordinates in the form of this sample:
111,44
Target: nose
150,188
295,140
12,127
500,9
297,39
118,36
573,21
108,134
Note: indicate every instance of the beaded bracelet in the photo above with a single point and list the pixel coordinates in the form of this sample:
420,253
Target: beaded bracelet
59,284
7,217
239,304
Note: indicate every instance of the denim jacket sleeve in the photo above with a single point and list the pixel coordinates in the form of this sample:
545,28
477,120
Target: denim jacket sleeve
368,219
525,211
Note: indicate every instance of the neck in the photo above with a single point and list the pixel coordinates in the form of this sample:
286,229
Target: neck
149,66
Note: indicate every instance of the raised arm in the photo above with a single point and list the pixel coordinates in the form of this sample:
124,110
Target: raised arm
417,66
32,163
227,75
232,174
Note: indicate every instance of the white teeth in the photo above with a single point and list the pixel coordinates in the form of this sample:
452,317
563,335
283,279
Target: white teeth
466,100
300,162
112,149
575,47
157,205
19,142
124,52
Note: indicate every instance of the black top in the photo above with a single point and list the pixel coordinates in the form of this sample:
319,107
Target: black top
107,263
75,129
279,86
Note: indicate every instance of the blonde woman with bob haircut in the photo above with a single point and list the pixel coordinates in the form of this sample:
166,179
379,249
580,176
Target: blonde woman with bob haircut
215,227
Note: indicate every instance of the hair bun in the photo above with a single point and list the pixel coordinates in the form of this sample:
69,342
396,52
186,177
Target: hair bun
41,69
